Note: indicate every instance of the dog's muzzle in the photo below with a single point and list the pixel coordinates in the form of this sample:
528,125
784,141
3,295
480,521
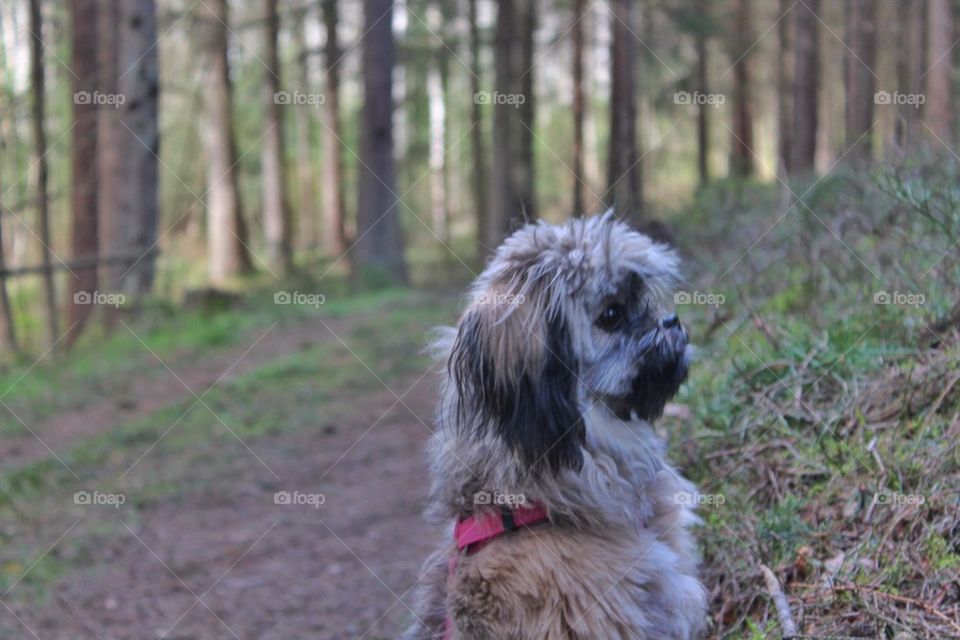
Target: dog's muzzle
661,367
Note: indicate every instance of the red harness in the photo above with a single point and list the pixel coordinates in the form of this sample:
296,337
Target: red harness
473,532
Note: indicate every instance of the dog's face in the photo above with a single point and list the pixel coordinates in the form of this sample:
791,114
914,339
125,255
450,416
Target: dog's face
563,316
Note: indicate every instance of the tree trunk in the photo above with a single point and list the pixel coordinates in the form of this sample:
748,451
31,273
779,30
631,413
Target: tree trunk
578,175
806,85
226,231
437,78
334,229
512,100
8,333
111,218
479,176
624,175
784,86
83,158
741,155
38,83
527,111
306,219
939,112
909,32
379,244
129,143
703,82
276,217
859,60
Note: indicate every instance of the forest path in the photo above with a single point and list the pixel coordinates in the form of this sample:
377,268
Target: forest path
335,412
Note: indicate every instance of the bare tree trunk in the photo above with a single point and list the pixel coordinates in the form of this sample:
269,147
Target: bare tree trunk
939,111
226,231
806,85
578,174
112,222
38,83
909,32
741,155
437,77
703,82
334,231
276,216
525,169
784,86
512,175
480,184
859,60
624,174
83,196
128,142
8,333
379,244
307,226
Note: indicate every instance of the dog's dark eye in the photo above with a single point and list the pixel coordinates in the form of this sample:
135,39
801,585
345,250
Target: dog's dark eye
612,317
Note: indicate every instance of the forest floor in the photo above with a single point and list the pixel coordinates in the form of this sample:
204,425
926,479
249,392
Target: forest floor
821,426
195,443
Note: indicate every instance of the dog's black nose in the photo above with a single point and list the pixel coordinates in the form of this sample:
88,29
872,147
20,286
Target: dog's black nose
670,321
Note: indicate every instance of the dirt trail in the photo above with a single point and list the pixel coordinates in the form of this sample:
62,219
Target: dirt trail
342,569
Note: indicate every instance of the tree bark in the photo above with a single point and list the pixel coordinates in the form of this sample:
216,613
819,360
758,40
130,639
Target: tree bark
806,85
129,142
83,159
578,109
479,176
226,231
379,244
859,60
334,229
512,175
38,85
276,216
437,80
624,174
112,220
8,333
741,155
784,87
909,32
306,218
703,85
939,111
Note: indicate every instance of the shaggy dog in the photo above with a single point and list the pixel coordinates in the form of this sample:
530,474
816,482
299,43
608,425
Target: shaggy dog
559,364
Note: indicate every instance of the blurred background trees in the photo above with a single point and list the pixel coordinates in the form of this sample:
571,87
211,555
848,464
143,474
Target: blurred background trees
152,146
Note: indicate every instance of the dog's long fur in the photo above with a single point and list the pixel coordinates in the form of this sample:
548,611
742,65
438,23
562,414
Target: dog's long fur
539,402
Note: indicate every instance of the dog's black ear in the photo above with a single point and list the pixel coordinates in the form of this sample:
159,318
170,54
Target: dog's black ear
520,384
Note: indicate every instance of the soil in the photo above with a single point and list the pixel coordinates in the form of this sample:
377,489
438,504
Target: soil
226,561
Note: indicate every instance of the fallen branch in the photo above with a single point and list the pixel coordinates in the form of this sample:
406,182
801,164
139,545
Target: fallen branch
787,625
